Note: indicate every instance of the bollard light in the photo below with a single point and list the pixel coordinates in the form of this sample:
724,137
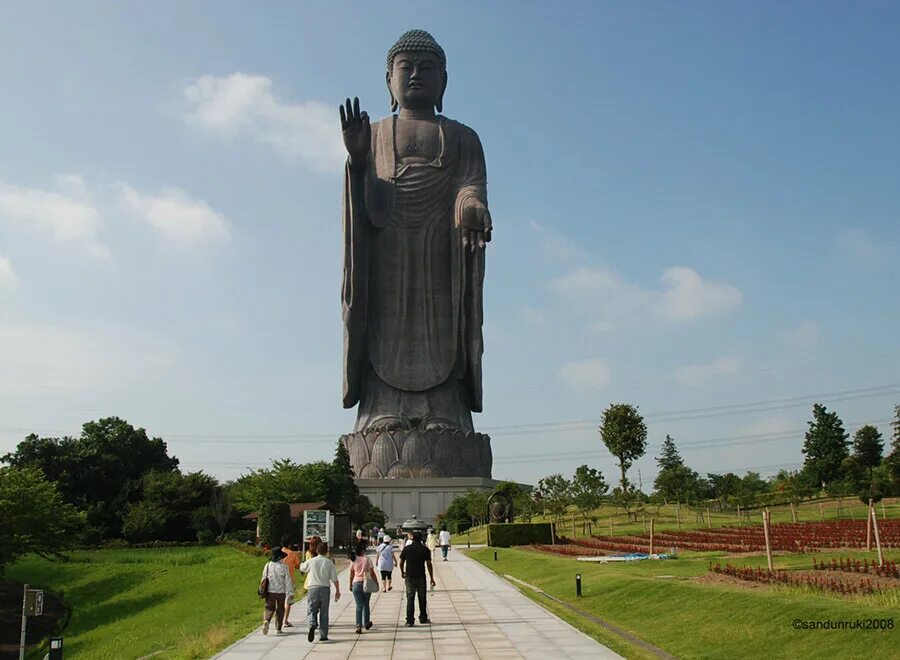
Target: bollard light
495,555
56,648
578,584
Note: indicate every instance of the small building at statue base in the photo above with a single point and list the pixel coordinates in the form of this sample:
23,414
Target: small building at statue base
424,498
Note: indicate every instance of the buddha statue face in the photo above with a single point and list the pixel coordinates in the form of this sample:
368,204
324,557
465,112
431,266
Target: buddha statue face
416,81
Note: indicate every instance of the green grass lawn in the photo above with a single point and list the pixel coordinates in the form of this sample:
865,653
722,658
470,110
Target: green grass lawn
663,603
185,602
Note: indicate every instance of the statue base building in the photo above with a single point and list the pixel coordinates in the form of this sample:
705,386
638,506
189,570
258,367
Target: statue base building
424,498
416,472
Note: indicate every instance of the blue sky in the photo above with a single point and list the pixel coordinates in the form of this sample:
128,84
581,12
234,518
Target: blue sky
695,205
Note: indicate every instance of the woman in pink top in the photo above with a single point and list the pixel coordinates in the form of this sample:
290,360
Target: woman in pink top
361,566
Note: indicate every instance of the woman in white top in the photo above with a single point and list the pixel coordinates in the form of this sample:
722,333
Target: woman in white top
431,541
280,585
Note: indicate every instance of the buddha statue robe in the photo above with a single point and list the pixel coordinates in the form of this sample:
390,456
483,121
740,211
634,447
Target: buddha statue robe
412,293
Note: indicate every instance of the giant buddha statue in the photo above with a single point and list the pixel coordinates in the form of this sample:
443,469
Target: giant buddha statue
416,224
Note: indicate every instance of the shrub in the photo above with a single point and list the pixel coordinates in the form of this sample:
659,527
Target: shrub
274,522
143,522
240,535
206,537
503,535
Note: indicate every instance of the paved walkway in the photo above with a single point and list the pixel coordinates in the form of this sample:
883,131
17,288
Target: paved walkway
475,616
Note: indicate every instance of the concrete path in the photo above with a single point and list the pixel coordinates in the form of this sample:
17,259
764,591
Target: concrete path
475,616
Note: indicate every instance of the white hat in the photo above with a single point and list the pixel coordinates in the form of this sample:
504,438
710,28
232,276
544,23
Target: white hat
387,539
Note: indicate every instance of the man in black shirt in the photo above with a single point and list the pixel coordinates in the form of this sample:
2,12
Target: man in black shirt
413,560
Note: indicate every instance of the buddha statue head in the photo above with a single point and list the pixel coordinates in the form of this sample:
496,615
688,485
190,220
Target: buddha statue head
416,72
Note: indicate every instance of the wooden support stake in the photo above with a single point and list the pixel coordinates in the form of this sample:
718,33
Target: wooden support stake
678,516
644,523
852,517
708,522
739,514
610,526
869,527
768,543
883,514
793,513
651,536
821,512
877,539
573,526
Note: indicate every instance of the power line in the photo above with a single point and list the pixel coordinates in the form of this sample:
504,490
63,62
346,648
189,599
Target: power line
541,427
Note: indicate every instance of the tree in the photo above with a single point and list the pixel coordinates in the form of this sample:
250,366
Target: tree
679,483
514,493
825,446
675,480
220,507
284,481
456,516
625,435
477,506
867,447
177,497
669,458
555,492
274,522
33,515
100,472
588,489
144,521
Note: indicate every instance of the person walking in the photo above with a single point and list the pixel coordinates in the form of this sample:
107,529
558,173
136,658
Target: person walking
431,541
386,560
360,568
413,561
280,584
322,575
292,561
445,543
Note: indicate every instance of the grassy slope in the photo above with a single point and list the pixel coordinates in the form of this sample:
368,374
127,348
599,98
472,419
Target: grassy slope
666,518
692,619
189,602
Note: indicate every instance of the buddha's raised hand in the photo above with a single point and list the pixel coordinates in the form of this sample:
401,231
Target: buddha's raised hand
357,132
476,224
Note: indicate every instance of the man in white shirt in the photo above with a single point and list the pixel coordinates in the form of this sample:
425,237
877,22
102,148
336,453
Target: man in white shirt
445,542
322,575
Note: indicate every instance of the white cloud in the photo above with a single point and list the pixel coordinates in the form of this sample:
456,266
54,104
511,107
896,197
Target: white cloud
177,216
688,296
240,103
683,296
65,217
41,360
862,248
9,282
556,245
587,374
701,374
534,317
803,335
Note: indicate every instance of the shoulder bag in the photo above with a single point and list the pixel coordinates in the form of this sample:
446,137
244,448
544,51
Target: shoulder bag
370,585
263,590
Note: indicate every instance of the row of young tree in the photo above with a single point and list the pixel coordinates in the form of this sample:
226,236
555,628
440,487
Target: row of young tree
833,464
116,482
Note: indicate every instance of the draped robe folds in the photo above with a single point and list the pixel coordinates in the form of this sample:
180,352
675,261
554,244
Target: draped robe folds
412,295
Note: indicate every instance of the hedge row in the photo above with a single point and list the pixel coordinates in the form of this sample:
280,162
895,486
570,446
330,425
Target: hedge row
504,535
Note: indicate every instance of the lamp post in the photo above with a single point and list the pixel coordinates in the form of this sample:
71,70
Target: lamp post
578,585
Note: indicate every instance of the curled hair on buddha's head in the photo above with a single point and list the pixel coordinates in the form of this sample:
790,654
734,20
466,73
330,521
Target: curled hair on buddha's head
417,41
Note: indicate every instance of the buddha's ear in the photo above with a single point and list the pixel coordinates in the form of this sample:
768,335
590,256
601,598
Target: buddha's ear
394,104
440,102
